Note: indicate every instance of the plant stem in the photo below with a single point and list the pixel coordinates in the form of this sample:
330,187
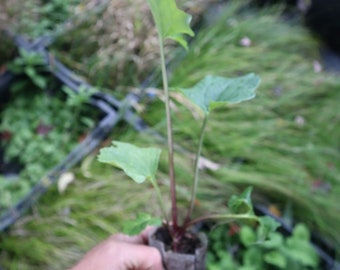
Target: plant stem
196,169
170,139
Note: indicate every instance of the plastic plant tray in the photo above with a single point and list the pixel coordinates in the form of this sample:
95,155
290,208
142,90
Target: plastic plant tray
110,114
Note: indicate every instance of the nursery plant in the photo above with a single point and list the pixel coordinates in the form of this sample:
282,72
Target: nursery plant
141,164
235,247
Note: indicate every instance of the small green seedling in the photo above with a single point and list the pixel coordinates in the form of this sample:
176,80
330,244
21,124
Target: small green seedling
294,252
31,64
210,93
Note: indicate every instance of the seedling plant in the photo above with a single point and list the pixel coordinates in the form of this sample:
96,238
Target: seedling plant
210,93
235,247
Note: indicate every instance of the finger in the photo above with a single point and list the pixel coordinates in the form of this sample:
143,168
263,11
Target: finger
143,258
145,234
141,238
135,239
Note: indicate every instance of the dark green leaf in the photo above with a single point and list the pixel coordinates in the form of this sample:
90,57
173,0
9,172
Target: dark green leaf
252,259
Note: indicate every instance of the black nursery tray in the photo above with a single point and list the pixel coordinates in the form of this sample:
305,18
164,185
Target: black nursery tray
102,109
10,170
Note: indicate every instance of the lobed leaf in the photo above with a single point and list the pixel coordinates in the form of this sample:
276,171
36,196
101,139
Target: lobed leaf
138,163
216,91
170,21
299,247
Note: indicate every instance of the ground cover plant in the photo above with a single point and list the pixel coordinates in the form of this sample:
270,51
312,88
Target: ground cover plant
292,144
235,247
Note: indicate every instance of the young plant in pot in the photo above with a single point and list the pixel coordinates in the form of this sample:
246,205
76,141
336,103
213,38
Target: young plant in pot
180,247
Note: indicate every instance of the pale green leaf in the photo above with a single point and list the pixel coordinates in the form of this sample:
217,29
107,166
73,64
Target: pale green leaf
247,235
215,91
138,163
302,252
170,21
301,232
299,247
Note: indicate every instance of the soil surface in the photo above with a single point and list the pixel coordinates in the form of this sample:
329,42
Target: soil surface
188,244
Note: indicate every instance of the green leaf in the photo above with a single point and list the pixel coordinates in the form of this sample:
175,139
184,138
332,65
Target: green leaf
276,258
138,163
301,232
241,204
30,71
170,21
299,247
143,220
267,225
275,240
302,252
215,91
247,236
252,259
39,81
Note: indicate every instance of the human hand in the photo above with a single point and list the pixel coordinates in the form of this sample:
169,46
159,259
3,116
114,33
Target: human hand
122,252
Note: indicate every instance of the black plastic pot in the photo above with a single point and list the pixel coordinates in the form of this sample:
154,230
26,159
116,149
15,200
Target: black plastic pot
179,261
